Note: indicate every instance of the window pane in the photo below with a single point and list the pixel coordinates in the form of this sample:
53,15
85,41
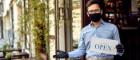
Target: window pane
76,14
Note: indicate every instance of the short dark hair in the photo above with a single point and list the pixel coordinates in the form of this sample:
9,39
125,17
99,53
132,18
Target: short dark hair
99,2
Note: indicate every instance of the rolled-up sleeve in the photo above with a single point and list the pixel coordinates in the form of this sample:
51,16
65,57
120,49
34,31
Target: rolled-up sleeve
81,50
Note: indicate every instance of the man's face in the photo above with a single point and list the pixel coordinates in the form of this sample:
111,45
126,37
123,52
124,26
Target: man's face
94,13
94,8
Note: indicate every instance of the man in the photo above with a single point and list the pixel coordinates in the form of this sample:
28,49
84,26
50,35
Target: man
97,28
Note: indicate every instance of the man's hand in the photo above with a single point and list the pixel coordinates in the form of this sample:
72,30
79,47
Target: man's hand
61,54
120,48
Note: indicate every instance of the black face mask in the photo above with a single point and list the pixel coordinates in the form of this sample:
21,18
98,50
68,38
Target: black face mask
95,17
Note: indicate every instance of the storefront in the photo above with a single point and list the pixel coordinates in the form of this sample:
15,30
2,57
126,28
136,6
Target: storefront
124,14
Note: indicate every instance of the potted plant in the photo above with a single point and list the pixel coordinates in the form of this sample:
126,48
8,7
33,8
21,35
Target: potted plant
7,55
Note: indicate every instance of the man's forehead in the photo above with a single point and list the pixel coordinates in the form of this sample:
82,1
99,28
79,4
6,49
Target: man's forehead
93,7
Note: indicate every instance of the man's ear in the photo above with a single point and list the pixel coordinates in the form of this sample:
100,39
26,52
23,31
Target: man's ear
87,14
101,12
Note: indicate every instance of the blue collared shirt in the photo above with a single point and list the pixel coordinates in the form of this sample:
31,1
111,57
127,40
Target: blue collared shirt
105,30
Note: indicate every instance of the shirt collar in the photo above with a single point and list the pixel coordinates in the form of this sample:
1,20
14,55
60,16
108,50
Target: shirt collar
90,27
102,22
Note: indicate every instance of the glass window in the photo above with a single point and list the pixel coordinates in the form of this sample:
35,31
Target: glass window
76,24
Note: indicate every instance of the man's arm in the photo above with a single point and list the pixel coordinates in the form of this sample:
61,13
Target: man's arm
120,48
73,54
81,50
116,35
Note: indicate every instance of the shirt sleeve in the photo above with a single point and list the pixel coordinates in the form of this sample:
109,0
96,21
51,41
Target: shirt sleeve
80,50
116,36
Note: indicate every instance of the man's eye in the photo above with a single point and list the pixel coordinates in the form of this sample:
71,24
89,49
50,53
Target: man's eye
94,11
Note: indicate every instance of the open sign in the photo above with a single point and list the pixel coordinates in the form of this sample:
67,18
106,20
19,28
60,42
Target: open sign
101,45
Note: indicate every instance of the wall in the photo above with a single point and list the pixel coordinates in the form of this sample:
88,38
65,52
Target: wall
134,5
